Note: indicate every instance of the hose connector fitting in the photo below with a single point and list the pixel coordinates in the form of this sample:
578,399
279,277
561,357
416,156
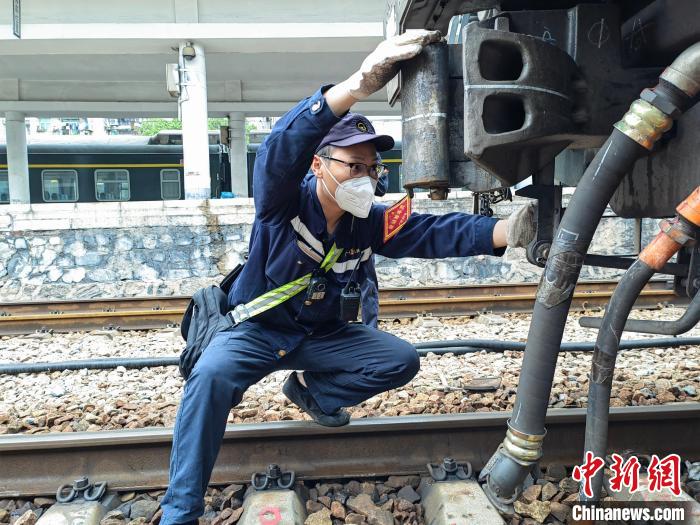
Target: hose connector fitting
514,459
644,123
675,233
684,72
689,209
678,230
525,449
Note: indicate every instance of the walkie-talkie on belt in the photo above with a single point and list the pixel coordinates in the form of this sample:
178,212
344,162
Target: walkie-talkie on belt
351,297
350,301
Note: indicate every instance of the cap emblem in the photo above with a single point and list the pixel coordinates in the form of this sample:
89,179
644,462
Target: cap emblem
362,126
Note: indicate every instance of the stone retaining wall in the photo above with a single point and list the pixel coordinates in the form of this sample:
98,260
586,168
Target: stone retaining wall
174,247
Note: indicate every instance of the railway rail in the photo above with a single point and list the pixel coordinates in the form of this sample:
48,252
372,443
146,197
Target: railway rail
144,313
138,459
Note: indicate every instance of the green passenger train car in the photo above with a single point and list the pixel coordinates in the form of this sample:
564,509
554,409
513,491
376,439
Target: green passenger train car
120,168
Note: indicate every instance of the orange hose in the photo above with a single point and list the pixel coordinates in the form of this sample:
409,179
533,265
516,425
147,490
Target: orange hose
689,209
659,251
663,247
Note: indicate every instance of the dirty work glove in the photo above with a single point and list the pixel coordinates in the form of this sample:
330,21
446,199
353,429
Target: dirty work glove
522,226
382,64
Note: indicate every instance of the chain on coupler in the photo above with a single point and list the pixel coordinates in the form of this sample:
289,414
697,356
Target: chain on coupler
273,479
450,470
81,489
484,200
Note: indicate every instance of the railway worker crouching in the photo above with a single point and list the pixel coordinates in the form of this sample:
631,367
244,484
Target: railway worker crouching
324,228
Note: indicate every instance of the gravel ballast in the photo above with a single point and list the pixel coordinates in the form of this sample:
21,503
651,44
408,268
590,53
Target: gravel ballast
396,500
112,399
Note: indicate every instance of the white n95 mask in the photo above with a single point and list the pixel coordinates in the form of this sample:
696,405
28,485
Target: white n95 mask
354,195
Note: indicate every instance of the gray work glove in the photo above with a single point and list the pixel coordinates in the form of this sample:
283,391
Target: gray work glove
382,64
522,226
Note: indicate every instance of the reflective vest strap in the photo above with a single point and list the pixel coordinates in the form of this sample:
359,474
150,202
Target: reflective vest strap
275,297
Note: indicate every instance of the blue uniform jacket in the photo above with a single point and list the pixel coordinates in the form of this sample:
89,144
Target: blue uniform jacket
289,237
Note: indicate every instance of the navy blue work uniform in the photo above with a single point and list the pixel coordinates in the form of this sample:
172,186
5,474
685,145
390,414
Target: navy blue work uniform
345,363
370,286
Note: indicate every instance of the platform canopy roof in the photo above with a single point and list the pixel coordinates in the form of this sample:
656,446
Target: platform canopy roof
100,58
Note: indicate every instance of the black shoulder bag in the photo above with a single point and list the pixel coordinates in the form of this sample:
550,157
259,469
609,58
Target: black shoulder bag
205,316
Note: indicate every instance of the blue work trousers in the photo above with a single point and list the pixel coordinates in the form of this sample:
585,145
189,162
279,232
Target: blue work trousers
341,370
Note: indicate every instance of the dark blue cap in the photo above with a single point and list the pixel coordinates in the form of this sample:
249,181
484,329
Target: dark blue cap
354,128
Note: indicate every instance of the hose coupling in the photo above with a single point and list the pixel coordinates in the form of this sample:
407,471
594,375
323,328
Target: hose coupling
675,233
505,472
689,209
684,72
525,449
644,123
679,230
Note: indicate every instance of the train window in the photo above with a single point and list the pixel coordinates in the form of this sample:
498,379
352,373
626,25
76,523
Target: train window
59,185
4,187
112,185
170,184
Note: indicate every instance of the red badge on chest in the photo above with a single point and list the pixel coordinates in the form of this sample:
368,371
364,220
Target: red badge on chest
395,217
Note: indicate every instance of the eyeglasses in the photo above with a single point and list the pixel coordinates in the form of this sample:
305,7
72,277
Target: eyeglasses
358,169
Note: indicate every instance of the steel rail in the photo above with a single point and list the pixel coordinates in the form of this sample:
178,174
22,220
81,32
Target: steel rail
143,313
138,459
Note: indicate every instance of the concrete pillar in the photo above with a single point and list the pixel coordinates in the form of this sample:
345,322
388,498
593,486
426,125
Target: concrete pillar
238,155
17,158
193,112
